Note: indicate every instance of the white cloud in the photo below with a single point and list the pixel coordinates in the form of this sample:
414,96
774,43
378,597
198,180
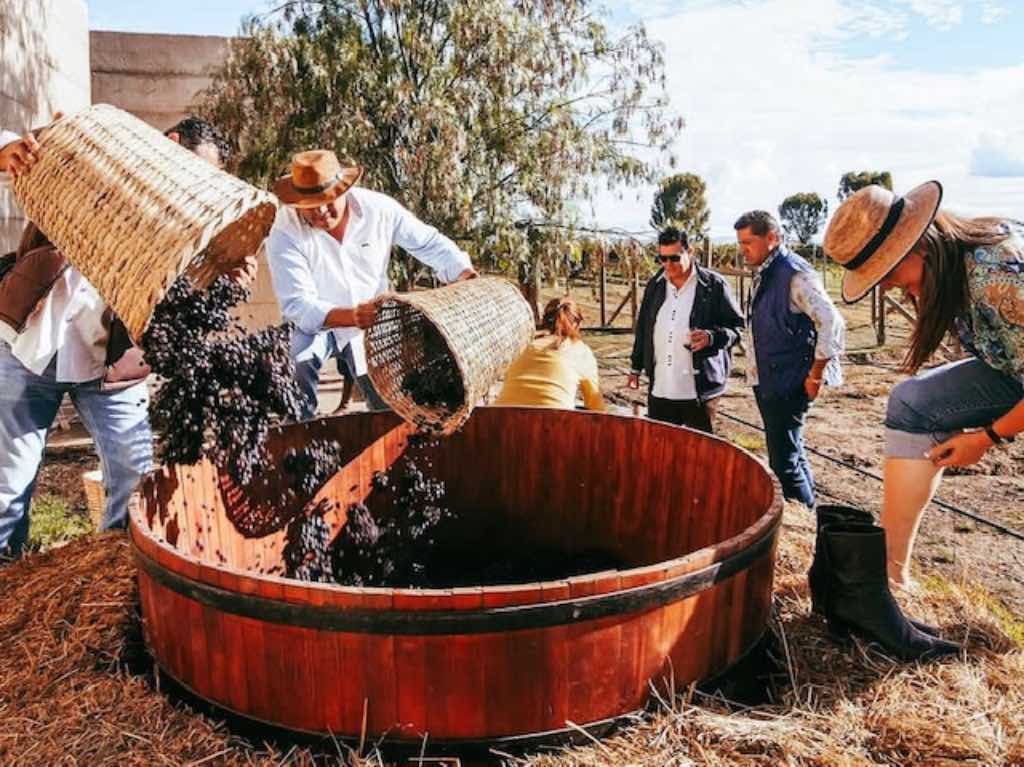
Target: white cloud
874,21
992,13
941,14
998,155
774,107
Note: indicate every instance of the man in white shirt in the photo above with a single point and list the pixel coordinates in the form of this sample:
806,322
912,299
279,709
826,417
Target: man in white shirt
329,251
687,324
63,339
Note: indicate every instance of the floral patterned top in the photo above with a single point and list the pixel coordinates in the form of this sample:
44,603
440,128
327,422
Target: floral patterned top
993,329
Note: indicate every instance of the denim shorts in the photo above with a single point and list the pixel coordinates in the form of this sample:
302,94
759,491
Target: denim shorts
936,404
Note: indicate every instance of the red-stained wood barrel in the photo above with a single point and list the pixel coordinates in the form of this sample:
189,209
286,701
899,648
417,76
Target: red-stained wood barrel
694,517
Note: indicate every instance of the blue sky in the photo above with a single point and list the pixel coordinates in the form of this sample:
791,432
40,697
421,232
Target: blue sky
183,17
977,41
783,96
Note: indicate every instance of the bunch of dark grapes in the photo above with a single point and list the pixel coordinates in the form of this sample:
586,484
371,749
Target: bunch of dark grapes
307,548
436,384
221,391
393,550
359,557
312,465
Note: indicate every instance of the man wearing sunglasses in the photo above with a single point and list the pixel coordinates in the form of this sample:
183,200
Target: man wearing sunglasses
688,322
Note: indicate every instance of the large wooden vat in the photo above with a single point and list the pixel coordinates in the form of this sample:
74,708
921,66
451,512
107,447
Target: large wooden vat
695,518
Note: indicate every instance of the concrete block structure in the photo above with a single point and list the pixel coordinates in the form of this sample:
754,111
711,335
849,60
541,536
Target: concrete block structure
44,67
155,77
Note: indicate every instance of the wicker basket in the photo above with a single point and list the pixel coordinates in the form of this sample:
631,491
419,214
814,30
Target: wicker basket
132,210
453,342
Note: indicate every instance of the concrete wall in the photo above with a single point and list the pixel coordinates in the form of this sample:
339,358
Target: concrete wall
44,67
157,78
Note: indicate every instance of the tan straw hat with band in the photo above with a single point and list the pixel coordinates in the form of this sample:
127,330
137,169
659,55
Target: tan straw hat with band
317,178
874,229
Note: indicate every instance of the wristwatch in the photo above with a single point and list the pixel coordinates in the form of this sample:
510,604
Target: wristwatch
997,439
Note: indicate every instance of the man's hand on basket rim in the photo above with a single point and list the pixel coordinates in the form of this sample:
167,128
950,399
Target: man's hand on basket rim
18,156
366,312
467,274
245,272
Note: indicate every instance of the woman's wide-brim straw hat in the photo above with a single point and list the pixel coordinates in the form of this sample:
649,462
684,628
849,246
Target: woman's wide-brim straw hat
133,210
317,178
874,229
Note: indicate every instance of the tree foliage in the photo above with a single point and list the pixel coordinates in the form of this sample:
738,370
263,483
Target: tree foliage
681,201
491,119
803,214
854,180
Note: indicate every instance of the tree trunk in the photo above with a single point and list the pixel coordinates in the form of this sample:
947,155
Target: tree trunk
529,286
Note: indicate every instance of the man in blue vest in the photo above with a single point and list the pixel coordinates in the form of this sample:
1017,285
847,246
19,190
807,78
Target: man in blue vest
797,337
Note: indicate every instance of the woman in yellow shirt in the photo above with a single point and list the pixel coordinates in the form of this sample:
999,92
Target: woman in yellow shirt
555,364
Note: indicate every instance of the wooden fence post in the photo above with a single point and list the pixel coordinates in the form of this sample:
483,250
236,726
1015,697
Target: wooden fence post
604,290
741,280
634,299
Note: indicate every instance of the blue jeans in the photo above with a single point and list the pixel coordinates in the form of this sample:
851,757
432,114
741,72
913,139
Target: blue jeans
311,353
118,421
783,431
934,405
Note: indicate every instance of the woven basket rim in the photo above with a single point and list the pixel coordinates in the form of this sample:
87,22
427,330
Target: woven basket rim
133,211
402,406
429,304
409,299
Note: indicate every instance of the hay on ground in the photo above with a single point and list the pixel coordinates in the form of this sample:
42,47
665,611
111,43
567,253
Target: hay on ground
76,686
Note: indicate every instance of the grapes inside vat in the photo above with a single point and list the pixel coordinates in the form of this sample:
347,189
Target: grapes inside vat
398,537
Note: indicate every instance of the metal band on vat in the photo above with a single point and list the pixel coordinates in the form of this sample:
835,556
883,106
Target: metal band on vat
435,622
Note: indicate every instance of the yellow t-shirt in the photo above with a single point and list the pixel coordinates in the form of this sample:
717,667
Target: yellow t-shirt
546,376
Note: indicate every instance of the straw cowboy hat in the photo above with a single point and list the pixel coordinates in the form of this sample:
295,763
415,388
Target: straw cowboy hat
317,178
874,229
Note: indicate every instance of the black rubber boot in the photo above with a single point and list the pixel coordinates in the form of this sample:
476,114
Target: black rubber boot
858,599
817,575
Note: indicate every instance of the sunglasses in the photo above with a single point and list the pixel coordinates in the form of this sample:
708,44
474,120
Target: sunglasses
665,259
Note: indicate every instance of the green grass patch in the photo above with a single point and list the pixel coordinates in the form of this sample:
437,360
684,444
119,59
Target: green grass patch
749,441
54,522
937,583
1012,625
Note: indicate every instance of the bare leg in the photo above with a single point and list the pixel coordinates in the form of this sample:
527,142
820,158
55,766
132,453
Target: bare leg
711,406
909,487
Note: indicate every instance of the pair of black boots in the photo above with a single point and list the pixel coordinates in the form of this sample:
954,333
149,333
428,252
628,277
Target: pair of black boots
850,585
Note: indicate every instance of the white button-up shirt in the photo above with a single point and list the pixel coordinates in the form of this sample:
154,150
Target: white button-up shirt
673,362
313,273
68,323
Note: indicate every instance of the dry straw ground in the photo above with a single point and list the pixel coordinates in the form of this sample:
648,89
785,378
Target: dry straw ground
77,688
